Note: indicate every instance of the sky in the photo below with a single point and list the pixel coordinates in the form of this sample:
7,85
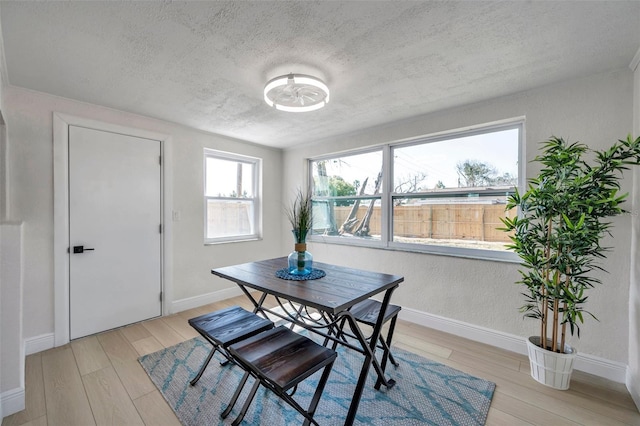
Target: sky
221,177
437,159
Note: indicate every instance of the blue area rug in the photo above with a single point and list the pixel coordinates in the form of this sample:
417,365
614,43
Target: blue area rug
426,393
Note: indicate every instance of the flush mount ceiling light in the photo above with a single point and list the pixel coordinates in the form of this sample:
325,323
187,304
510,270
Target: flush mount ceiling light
296,93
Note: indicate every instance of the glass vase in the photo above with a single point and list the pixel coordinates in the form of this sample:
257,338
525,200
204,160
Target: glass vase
300,260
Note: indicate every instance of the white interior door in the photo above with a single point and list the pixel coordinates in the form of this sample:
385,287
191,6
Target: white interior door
115,254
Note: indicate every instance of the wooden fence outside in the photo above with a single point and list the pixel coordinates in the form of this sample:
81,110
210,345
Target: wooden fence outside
231,218
476,222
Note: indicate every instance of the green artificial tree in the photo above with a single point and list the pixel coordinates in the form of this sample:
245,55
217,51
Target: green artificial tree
563,217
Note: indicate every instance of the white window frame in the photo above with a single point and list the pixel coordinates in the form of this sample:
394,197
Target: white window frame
256,163
355,241
388,196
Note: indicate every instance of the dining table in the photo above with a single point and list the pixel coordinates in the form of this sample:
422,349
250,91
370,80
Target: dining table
321,305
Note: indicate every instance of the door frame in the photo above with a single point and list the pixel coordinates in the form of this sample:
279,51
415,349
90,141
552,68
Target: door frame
61,243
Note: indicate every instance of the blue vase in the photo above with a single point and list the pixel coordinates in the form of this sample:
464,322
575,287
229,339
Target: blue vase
300,260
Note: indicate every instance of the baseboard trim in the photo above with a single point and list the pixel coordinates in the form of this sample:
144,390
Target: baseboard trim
40,343
469,331
12,401
601,367
204,299
634,388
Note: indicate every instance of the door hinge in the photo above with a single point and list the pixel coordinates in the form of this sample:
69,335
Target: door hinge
161,296
160,228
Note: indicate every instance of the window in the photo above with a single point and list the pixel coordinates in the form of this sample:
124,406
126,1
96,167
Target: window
346,191
443,194
231,197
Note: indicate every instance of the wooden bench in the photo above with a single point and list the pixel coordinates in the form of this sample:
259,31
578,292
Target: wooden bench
280,359
367,313
226,327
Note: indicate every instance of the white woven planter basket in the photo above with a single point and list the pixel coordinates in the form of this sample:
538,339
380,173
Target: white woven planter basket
550,368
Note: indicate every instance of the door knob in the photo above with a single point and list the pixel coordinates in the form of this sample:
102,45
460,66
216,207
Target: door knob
81,249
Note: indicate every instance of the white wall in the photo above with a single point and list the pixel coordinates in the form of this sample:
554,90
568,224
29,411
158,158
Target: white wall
29,118
3,146
595,110
2,192
11,269
11,346
633,376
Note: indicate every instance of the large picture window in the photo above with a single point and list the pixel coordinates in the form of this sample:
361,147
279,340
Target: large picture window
443,194
231,198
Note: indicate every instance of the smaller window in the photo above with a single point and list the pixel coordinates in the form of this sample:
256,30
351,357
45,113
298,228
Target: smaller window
346,196
231,197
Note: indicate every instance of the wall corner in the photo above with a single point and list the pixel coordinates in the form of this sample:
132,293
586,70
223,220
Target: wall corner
633,370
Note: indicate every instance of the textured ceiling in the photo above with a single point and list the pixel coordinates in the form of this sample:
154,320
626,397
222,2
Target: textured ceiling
204,64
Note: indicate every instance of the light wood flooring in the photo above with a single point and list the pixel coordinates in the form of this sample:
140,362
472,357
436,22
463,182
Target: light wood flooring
97,379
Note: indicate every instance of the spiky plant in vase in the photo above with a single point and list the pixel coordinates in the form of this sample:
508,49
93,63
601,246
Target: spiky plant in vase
299,214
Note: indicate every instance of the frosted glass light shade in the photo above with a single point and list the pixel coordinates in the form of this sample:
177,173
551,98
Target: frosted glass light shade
296,93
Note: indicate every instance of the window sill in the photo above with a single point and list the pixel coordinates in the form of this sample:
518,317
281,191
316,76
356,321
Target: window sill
467,253
235,240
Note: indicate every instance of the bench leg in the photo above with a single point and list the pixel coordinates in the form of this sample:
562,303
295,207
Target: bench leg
235,396
247,403
204,366
386,351
316,396
392,327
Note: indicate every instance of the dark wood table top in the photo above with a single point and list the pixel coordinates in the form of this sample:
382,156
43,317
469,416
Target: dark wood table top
340,289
